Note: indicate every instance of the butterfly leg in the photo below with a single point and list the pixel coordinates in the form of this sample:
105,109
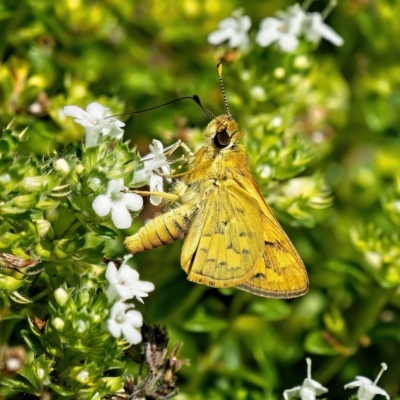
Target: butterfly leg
167,196
170,149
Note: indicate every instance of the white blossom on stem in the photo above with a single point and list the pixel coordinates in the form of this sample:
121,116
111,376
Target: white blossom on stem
309,390
283,30
288,26
125,283
154,164
118,203
123,320
315,29
233,30
95,120
366,388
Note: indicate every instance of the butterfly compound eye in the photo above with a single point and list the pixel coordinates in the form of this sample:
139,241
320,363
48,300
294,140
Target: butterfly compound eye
222,139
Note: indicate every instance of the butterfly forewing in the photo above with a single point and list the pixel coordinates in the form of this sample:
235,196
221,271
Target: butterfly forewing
225,239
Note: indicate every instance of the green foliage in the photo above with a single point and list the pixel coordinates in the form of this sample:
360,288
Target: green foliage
323,139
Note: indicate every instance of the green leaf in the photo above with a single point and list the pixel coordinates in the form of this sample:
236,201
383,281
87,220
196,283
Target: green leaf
201,322
316,344
32,341
270,309
61,390
20,386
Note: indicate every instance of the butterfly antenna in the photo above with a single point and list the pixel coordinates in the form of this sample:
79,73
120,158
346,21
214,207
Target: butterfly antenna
195,98
207,112
219,69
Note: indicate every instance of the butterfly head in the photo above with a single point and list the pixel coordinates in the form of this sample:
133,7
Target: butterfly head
223,132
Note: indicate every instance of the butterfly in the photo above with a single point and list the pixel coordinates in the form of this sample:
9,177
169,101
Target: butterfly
231,237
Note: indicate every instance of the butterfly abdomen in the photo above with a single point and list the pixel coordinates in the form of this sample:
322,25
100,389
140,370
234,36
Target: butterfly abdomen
163,229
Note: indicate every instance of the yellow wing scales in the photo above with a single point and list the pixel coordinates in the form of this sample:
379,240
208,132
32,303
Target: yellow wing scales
280,272
225,241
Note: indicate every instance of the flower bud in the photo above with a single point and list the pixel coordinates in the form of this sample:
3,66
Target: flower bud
79,169
40,373
83,376
80,326
279,72
61,296
95,184
62,166
258,93
58,324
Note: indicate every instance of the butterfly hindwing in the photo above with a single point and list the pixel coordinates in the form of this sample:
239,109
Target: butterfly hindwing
279,272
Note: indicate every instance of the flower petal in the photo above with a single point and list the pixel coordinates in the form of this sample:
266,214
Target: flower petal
112,273
142,286
288,42
134,318
114,328
142,176
97,111
156,147
270,23
84,122
76,112
102,205
120,215
237,39
115,185
329,34
111,293
124,291
220,36
245,23
289,393
228,23
133,201
132,335
369,391
127,273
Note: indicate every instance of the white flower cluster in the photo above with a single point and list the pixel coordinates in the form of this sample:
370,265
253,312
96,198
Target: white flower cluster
310,388
125,285
97,121
285,30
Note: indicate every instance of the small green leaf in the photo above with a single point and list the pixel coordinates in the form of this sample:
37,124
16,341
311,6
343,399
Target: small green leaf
316,344
20,386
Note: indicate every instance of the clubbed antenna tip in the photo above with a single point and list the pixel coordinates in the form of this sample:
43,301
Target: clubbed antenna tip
219,69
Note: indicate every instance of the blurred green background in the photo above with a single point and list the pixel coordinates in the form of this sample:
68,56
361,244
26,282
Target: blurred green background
341,119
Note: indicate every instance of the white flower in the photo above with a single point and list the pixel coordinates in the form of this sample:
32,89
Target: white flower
308,390
125,282
368,389
233,30
125,322
118,203
95,119
289,25
154,163
315,29
284,30
13,364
